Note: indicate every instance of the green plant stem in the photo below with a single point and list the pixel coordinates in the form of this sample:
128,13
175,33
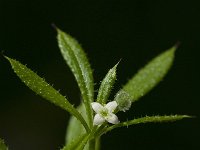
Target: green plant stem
97,143
82,120
89,114
92,144
92,141
99,130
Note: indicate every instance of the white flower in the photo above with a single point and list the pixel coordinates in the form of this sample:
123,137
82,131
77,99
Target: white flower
105,113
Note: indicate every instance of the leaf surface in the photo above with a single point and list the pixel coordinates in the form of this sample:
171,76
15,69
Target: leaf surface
107,85
74,144
76,59
149,76
42,88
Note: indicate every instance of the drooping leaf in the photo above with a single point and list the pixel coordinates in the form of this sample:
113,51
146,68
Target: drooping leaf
3,145
79,65
149,76
147,119
42,88
106,85
75,129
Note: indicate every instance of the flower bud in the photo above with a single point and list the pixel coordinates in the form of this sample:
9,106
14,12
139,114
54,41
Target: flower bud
123,100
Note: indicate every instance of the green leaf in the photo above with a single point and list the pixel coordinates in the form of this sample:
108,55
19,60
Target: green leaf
106,85
147,119
42,88
75,129
75,142
83,143
79,65
3,145
150,75
80,141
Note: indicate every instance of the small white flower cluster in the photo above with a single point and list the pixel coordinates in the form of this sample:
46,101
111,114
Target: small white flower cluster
105,113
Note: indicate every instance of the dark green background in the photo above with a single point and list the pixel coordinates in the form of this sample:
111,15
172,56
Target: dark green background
134,30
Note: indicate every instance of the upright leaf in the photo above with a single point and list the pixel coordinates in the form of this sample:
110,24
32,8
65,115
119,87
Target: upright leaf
42,88
79,65
3,145
149,76
106,85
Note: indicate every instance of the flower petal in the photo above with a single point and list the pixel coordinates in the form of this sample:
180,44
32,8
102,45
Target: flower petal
97,107
112,118
111,106
98,120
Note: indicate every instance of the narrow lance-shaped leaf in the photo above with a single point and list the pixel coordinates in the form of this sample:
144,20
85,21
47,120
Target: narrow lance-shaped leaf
75,129
42,88
79,65
107,85
149,76
3,145
147,119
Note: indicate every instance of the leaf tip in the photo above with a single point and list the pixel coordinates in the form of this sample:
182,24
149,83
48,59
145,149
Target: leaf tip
56,28
2,52
187,116
115,67
177,44
118,62
175,47
6,57
11,61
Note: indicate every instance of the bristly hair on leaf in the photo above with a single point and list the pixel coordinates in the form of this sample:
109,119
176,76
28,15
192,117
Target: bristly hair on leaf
84,129
77,61
149,76
42,88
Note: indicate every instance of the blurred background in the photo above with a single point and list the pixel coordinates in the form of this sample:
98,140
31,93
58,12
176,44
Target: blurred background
109,30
